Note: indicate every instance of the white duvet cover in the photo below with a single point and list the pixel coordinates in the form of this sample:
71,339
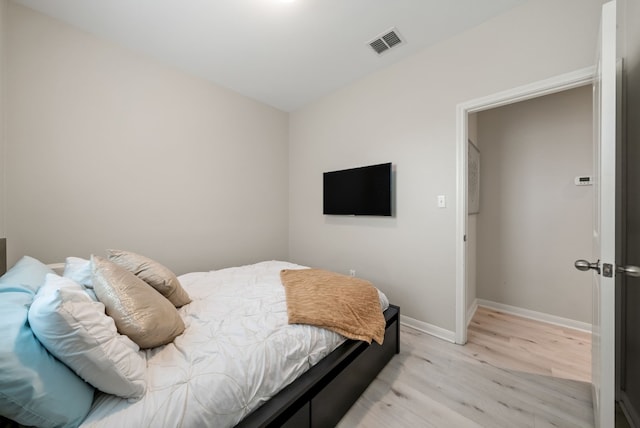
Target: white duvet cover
236,352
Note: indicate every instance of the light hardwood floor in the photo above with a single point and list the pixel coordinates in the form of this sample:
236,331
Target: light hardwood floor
513,372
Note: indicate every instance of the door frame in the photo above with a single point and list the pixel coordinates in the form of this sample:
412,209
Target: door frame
549,86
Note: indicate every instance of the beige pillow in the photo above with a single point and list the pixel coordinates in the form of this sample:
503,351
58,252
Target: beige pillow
138,310
153,273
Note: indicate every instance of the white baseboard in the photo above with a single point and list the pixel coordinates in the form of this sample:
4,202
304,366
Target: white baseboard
534,315
471,311
431,329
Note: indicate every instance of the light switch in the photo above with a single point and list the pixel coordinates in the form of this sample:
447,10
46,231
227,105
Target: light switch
442,201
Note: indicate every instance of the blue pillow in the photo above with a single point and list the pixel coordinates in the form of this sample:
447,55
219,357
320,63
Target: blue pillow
28,272
35,388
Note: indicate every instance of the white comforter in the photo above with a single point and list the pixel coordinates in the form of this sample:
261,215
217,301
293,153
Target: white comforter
236,352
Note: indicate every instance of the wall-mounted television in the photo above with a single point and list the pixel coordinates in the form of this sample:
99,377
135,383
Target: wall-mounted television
358,191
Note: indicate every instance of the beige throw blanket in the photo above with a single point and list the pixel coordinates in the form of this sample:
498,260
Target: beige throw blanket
343,304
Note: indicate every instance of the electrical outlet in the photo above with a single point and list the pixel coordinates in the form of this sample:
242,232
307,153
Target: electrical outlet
352,272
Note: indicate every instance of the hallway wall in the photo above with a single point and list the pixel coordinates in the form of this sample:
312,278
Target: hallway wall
534,222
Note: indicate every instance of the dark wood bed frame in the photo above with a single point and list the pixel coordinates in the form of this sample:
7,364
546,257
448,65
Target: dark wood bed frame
322,395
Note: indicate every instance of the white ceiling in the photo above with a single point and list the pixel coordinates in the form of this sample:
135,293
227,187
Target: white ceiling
285,53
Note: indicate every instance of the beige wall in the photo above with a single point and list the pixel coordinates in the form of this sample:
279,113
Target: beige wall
108,149
406,114
534,222
3,110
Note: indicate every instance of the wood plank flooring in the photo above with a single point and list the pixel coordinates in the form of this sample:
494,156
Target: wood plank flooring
513,372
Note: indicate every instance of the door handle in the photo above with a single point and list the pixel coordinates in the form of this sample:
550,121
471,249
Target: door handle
633,271
584,265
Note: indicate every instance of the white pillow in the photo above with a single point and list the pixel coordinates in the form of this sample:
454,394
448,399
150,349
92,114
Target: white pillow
78,270
76,330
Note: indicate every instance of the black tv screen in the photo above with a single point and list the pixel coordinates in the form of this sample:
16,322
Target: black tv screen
358,191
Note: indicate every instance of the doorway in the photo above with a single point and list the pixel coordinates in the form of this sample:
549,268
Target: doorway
537,208
546,87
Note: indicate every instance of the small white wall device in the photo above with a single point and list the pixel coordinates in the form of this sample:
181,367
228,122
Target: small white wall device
584,180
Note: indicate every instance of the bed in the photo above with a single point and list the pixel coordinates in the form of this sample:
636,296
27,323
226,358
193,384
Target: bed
321,381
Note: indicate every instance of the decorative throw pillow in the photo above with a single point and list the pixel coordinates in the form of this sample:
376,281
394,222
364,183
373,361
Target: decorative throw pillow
138,310
76,330
153,273
35,388
28,272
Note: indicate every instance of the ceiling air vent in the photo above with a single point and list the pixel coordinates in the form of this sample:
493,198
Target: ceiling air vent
386,41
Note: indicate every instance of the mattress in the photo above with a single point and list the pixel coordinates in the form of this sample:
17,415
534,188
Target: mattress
237,351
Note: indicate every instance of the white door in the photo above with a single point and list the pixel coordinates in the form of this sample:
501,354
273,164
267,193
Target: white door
605,102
